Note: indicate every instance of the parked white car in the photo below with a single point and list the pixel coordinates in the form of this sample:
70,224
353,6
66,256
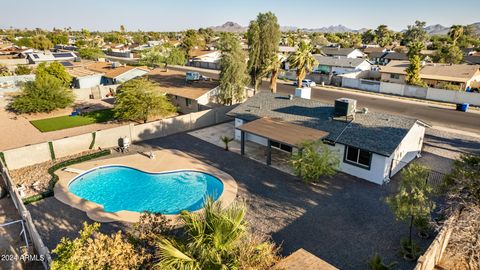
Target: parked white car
306,83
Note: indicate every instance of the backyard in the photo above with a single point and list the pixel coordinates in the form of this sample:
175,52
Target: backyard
343,220
67,121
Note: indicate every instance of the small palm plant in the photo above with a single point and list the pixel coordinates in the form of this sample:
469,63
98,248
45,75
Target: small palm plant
376,263
226,140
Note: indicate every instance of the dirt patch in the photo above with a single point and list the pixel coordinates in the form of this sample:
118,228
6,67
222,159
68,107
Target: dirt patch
36,178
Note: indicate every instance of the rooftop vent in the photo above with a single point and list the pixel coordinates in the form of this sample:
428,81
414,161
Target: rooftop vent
345,107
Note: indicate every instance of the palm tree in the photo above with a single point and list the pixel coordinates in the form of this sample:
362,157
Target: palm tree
212,238
273,68
226,140
455,32
302,60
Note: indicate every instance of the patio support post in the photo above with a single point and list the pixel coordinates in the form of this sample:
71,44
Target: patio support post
242,143
269,153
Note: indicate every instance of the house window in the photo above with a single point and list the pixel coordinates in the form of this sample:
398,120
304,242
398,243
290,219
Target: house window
188,102
284,147
358,157
395,76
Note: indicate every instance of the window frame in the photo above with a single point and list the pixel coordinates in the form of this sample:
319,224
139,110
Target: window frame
357,163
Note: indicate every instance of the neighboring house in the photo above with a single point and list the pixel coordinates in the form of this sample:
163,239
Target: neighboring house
39,57
206,59
83,78
435,75
340,65
187,96
342,52
373,146
393,56
119,53
377,58
14,83
114,72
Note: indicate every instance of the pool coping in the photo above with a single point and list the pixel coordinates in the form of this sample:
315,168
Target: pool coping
176,161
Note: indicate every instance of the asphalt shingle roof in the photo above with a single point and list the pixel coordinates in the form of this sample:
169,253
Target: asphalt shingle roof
376,132
338,61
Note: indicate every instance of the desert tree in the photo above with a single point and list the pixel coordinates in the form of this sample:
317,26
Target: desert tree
139,100
303,61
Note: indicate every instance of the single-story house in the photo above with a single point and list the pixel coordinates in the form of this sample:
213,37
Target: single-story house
434,74
340,65
206,59
377,58
342,52
114,72
187,96
370,145
39,57
393,56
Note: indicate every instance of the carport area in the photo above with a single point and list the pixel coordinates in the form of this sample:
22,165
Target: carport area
279,158
278,134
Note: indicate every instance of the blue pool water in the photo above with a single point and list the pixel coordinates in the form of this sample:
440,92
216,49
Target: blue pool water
124,188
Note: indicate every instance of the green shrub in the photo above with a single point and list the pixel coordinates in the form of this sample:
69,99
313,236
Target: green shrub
314,160
92,144
52,151
54,177
2,157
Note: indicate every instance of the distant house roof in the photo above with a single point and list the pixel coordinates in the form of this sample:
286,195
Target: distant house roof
287,49
472,59
376,55
112,72
50,56
367,131
396,56
79,72
173,83
338,61
434,71
210,56
370,50
329,51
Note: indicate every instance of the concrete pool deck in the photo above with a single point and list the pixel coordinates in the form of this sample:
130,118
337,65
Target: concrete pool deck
165,160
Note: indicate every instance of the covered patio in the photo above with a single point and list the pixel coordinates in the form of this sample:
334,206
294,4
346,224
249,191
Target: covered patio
278,134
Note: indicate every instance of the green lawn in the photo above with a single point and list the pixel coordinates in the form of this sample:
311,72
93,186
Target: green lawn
63,122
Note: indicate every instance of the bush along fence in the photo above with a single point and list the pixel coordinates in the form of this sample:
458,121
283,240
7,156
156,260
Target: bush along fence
54,177
108,138
430,259
428,93
40,248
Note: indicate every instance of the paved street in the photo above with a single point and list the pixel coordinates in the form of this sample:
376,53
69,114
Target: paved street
430,113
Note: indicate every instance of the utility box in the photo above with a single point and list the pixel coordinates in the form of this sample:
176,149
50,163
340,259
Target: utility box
345,107
304,92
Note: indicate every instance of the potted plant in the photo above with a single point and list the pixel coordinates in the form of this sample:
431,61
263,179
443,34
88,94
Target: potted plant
226,140
376,263
410,250
422,224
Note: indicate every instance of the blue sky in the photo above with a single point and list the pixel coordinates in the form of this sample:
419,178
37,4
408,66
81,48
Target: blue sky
162,15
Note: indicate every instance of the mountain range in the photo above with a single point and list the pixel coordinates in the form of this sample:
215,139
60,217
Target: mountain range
436,29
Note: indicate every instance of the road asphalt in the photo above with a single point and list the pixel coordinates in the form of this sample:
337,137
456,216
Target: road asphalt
432,113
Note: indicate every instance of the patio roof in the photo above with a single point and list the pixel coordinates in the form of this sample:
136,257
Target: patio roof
282,132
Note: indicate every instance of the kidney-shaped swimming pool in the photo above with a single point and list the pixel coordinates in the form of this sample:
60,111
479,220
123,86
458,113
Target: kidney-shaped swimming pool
119,188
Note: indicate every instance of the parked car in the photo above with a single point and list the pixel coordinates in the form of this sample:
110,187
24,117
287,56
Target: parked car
306,83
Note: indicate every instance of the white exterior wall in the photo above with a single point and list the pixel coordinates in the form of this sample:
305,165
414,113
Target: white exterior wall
408,149
377,173
89,81
248,137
